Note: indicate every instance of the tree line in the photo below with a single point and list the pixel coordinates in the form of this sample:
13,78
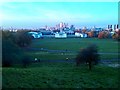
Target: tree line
12,48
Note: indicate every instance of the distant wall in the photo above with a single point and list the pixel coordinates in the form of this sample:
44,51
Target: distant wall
49,36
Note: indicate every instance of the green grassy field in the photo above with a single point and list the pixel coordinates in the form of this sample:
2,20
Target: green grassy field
104,45
63,75
73,44
60,75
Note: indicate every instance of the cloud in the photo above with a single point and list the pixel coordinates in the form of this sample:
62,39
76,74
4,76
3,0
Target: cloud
65,16
13,12
42,13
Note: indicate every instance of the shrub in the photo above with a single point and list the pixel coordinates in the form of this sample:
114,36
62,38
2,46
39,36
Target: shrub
101,35
7,62
10,53
118,35
26,61
22,39
91,34
88,55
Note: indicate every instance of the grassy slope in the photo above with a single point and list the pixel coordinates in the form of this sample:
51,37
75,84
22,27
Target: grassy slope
60,75
64,75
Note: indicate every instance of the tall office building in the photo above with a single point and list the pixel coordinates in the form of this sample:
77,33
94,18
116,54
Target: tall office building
61,25
117,26
108,26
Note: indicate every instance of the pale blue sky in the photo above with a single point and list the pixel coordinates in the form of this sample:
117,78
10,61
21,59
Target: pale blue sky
39,14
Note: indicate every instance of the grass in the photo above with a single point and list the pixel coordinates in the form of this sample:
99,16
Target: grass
74,44
60,75
63,56
52,56
63,75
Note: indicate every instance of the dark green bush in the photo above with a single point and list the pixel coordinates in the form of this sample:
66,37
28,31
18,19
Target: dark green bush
12,53
88,55
22,39
26,61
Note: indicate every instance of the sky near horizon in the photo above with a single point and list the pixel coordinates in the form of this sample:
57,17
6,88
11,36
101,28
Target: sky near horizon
39,14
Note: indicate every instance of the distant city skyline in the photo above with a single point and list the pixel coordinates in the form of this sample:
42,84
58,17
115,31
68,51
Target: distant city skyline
40,14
